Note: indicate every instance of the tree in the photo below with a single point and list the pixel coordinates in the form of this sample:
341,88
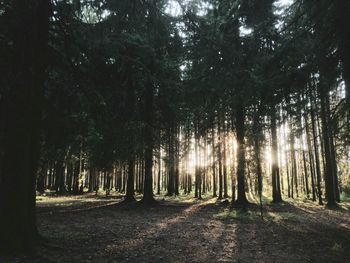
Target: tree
27,36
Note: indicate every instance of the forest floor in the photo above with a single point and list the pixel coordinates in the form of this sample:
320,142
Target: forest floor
101,229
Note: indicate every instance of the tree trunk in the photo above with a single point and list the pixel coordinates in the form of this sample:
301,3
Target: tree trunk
310,154
159,170
214,161
342,19
40,183
196,153
130,180
240,129
294,169
148,153
171,162
30,22
315,143
276,191
224,157
220,158
329,178
130,189
257,138
177,161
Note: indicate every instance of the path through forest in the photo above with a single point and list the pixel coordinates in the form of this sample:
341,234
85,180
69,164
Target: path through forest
101,229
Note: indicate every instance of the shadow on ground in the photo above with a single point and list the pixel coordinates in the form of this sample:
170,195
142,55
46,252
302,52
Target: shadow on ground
192,232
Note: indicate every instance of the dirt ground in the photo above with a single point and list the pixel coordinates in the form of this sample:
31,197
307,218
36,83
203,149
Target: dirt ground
101,229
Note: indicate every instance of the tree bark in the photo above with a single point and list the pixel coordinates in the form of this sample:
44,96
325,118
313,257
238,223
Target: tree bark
240,129
149,144
224,158
220,158
315,143
329,178
214,161
23,105
276,191
257,140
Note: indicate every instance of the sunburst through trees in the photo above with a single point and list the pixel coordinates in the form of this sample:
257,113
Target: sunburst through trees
239,100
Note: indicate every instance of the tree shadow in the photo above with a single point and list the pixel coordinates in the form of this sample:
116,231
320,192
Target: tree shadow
192,235
204,231
83,236
288,233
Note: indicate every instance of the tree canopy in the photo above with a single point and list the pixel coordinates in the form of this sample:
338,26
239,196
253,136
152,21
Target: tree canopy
231,99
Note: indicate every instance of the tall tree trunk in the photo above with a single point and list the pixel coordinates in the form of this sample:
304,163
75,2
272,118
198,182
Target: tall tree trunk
310,154
294,171
171,162
305,175
315,143
335,170
75,180
342,19
108,183
130,189
240,130
214,161
329,178
40,182
91,179
130,112
333,158
177,161
29,35
70,172
125,177
276,191
196,155
204,185
287,163
224,157
148,153
220,158
200,169
159,169
257,138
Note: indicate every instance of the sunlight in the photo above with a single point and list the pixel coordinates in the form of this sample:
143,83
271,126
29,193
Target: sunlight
268,155
245,31
173,8
283,3
174,131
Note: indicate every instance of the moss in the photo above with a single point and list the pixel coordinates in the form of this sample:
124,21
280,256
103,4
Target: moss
285,216
236,215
